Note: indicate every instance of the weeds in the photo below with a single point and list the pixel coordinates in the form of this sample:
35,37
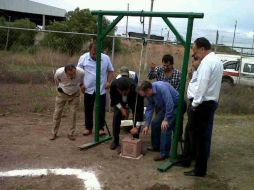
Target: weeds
39,68
38,108
24,187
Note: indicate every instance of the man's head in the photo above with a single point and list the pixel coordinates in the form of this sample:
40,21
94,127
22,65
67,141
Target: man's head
195,61
124,71
201,48
145,89
92,50
168,62
70,70
123,86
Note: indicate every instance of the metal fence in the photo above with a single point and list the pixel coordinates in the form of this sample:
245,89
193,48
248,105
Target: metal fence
29,65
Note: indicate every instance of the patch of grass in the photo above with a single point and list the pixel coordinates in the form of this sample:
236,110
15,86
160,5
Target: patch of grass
236,100
38,107
24,187
46,92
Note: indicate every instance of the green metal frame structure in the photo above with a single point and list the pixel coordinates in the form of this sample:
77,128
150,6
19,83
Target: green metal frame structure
101,34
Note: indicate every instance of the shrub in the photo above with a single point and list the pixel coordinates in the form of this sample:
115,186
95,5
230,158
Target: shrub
80,21
3,33
19,39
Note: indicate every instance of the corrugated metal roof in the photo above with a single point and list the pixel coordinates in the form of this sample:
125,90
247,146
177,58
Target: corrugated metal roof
27,6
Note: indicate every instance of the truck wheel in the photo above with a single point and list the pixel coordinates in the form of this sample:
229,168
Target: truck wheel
227,82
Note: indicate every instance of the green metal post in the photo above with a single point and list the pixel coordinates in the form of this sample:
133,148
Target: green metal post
98,78
182,87
166,165
111,26
150,14
101,35
173,29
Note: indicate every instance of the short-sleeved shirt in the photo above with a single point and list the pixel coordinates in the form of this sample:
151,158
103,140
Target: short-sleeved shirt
68,85
89,66
132,75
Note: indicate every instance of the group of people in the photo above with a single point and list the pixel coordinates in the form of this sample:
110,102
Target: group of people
127,94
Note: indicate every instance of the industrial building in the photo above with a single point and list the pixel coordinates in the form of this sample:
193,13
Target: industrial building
38,13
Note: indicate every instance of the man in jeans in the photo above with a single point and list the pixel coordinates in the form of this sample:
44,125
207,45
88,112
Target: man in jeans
162,96
69,81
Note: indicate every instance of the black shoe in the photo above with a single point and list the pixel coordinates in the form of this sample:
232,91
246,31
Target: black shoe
193,173
113,146
183,163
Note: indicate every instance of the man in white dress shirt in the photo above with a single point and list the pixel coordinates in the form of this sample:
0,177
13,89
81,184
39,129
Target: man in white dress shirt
188,150
88,63
205,101
69,81
125,72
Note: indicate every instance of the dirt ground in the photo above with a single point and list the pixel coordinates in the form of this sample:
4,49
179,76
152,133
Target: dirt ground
25,144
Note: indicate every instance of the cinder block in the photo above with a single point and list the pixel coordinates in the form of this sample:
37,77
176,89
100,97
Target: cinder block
131,147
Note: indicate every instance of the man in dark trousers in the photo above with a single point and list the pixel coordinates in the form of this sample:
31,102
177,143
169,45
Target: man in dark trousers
204,103
124,97
87,62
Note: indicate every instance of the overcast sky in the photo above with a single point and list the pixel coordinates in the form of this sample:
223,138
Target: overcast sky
218,15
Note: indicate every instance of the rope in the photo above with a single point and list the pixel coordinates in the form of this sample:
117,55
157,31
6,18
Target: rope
139,76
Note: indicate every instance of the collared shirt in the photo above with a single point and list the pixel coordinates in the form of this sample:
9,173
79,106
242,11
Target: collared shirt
192,87
164,97
159,74
68,85
132,75
209,76
132,101
89,66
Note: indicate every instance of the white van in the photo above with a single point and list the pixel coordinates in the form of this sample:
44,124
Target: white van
246,76
237,69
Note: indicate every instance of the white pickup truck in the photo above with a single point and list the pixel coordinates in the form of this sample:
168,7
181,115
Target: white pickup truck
237,69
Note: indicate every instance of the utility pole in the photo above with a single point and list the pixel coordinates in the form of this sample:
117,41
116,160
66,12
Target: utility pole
234,34
148,35
216,41
126,30
150,21
252,44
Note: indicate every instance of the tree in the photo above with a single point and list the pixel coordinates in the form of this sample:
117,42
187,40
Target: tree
3,33
20,38
80,21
